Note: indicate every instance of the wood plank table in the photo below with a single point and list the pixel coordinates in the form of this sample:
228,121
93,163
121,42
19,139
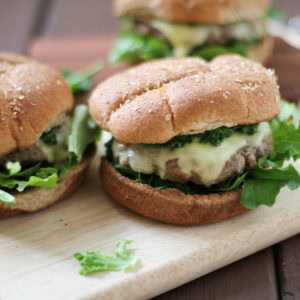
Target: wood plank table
273,273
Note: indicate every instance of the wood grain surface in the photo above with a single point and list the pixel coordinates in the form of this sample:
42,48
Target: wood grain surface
36,251
252,278
288,254
234,282
21,20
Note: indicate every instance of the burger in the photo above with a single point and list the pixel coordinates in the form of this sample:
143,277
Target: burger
195,142
45,147
201,28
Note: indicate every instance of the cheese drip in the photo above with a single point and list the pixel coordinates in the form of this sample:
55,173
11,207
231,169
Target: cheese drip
205,160
185,38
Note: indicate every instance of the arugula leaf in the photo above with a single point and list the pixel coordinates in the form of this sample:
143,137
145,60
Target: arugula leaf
83,132
13,167
263,185
7,199
288,112
209,52
286,140
258,191
231,184
20,180
266,180
43,177
134,47
81,81
47,183
275,14
97,261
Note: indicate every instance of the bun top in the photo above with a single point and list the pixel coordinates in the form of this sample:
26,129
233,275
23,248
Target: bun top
155,101
32,95
194,11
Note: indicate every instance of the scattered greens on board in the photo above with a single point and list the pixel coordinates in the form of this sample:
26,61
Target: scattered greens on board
16,177
260,185
97,261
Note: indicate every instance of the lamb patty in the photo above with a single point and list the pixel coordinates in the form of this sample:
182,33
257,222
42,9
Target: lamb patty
245,158
35,153
219,34
198,163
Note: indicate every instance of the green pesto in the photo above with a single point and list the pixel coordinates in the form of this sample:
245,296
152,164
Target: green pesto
214,137
49,137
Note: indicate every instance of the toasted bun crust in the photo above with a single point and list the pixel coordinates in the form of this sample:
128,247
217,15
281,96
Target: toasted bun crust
155,101
36,198
31,96
194,11
170,205
262,51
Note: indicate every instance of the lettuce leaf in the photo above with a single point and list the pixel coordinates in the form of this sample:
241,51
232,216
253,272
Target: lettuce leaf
7,199
211,51
275,14
15,178
134,47
263,185
97,261
264,182
81,81
13,168
84,131
44,175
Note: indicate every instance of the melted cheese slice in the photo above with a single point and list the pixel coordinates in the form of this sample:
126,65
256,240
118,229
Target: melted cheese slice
205,160
185,38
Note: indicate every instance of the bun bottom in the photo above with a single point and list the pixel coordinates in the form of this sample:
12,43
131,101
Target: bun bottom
170,205
263,50
37,198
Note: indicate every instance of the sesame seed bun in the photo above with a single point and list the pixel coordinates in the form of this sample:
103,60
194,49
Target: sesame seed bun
170,205
194,11
34,199
155,101
32,95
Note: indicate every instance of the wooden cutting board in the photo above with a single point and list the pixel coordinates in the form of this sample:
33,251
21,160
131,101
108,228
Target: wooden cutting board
36,251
